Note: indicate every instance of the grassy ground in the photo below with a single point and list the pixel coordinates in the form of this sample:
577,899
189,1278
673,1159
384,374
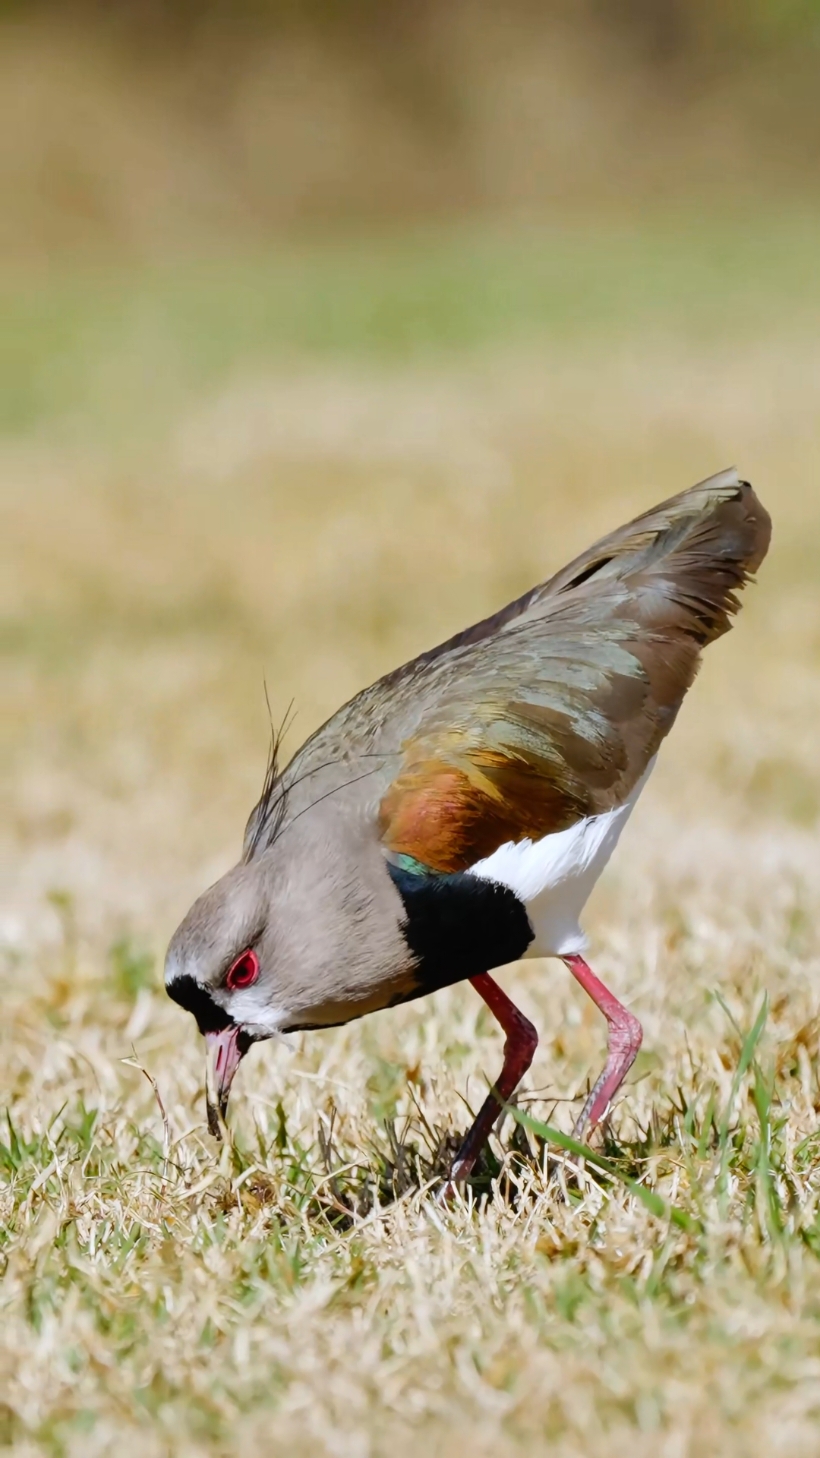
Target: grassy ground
304,470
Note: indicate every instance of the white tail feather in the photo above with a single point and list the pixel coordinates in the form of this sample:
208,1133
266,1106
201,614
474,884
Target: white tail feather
554,877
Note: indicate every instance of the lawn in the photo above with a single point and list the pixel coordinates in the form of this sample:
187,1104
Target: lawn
298,470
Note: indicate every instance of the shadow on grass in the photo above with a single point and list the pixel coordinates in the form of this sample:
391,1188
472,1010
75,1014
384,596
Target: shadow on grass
411,1158
701,1162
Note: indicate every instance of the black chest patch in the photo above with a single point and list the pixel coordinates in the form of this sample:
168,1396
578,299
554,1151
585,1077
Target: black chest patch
458,925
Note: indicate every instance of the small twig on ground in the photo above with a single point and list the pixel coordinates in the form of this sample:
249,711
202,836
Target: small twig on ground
133,1062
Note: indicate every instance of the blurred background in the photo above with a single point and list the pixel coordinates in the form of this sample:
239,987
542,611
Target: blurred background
325,329
141,128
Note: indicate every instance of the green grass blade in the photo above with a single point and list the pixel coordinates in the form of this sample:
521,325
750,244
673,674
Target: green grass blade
747,1053
654,1203
771,1209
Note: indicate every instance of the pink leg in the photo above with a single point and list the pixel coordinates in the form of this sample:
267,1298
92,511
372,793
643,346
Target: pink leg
519,1048
624,1039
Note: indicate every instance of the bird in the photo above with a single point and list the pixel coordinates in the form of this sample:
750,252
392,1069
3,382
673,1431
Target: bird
454,817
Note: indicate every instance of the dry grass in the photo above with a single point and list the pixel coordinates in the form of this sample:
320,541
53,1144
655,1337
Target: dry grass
314,526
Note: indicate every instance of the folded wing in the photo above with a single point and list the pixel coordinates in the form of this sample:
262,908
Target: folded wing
550,710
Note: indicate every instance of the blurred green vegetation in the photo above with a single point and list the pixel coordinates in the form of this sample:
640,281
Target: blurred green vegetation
128,345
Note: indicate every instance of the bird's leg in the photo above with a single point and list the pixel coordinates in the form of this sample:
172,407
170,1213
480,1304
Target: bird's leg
519,1048
623,1041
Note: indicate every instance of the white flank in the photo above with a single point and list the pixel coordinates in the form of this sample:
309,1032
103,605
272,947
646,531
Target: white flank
554,877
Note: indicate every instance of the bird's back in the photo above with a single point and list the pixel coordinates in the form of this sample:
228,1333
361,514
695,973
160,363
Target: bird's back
550,710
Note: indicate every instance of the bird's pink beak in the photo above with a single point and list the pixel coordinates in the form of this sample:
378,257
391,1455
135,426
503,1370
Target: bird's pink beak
223,1056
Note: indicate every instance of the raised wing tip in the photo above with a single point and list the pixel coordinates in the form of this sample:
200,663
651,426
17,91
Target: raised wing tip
733,485
726,480
755,515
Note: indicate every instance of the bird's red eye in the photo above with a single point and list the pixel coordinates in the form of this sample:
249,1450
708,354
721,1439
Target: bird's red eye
244,971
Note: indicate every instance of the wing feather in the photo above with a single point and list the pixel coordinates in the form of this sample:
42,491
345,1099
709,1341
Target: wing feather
550,710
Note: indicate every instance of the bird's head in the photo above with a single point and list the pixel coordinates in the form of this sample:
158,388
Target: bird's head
306,932
220,967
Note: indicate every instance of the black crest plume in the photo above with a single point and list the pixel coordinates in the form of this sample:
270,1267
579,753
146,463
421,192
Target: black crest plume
266,818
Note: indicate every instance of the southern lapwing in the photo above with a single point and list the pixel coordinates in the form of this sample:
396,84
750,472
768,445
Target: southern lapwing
456,815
